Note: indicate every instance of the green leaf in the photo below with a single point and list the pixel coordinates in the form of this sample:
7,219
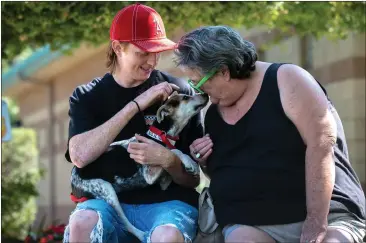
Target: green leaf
34,24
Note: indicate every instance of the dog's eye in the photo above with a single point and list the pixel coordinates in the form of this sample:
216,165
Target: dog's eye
185,97
174,103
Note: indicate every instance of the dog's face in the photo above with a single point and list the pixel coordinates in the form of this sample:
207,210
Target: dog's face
179,108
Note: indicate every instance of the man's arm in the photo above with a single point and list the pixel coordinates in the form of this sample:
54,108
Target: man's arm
88,146
306,105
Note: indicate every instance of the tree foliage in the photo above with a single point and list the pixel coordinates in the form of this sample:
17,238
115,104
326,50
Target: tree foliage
33,24
20,174
13,111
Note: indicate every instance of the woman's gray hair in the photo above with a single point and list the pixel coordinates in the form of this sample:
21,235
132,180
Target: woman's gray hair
215,47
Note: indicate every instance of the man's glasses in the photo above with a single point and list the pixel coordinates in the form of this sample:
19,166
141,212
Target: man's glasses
201,82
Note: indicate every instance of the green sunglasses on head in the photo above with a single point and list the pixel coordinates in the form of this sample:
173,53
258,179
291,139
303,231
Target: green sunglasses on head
201,82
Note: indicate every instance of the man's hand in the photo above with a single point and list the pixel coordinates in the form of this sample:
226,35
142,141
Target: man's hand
154,94
313,230
150,152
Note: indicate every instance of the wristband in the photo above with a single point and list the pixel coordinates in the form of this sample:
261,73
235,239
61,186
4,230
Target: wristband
138,107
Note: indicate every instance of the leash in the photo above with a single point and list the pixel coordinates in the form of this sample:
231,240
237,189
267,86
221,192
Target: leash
162,136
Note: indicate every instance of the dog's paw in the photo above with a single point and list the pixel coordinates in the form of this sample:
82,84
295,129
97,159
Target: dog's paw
122,143
152,173
190,166
165,181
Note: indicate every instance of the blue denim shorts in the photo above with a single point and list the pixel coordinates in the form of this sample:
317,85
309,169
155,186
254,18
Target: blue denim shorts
145,217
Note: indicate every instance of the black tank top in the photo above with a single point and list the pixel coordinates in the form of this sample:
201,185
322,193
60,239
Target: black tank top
257,167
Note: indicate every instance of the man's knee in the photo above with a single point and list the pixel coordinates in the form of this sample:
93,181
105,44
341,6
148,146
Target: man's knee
248,234
82,222
335,235
166,233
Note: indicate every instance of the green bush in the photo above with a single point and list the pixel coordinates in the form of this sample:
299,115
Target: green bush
20,174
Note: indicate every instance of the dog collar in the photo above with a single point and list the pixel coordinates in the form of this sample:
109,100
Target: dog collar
161,136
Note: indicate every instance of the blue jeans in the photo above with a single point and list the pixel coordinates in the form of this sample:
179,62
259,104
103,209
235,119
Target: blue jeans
145,217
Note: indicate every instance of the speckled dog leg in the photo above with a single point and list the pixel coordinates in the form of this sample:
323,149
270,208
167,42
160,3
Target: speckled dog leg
102,189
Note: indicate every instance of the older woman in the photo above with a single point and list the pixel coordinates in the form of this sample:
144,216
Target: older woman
276,151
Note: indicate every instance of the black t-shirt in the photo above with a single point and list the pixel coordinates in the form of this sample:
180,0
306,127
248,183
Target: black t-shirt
94,103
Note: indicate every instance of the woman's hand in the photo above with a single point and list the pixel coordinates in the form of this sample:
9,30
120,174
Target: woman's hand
314,230
154,94
201,148
150,152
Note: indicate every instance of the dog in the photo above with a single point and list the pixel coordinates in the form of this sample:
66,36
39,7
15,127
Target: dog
171,118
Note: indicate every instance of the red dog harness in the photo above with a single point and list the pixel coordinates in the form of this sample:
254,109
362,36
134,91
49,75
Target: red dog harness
162,136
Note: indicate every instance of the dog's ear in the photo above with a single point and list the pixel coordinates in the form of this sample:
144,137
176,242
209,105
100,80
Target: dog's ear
162,113
172,94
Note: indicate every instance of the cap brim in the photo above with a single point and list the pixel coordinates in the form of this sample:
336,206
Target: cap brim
155,45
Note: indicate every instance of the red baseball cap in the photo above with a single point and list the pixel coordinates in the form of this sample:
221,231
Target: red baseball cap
142,26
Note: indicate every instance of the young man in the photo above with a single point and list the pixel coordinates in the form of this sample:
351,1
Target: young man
116,107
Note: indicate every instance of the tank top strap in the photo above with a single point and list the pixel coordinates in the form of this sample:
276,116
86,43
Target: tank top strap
270,93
